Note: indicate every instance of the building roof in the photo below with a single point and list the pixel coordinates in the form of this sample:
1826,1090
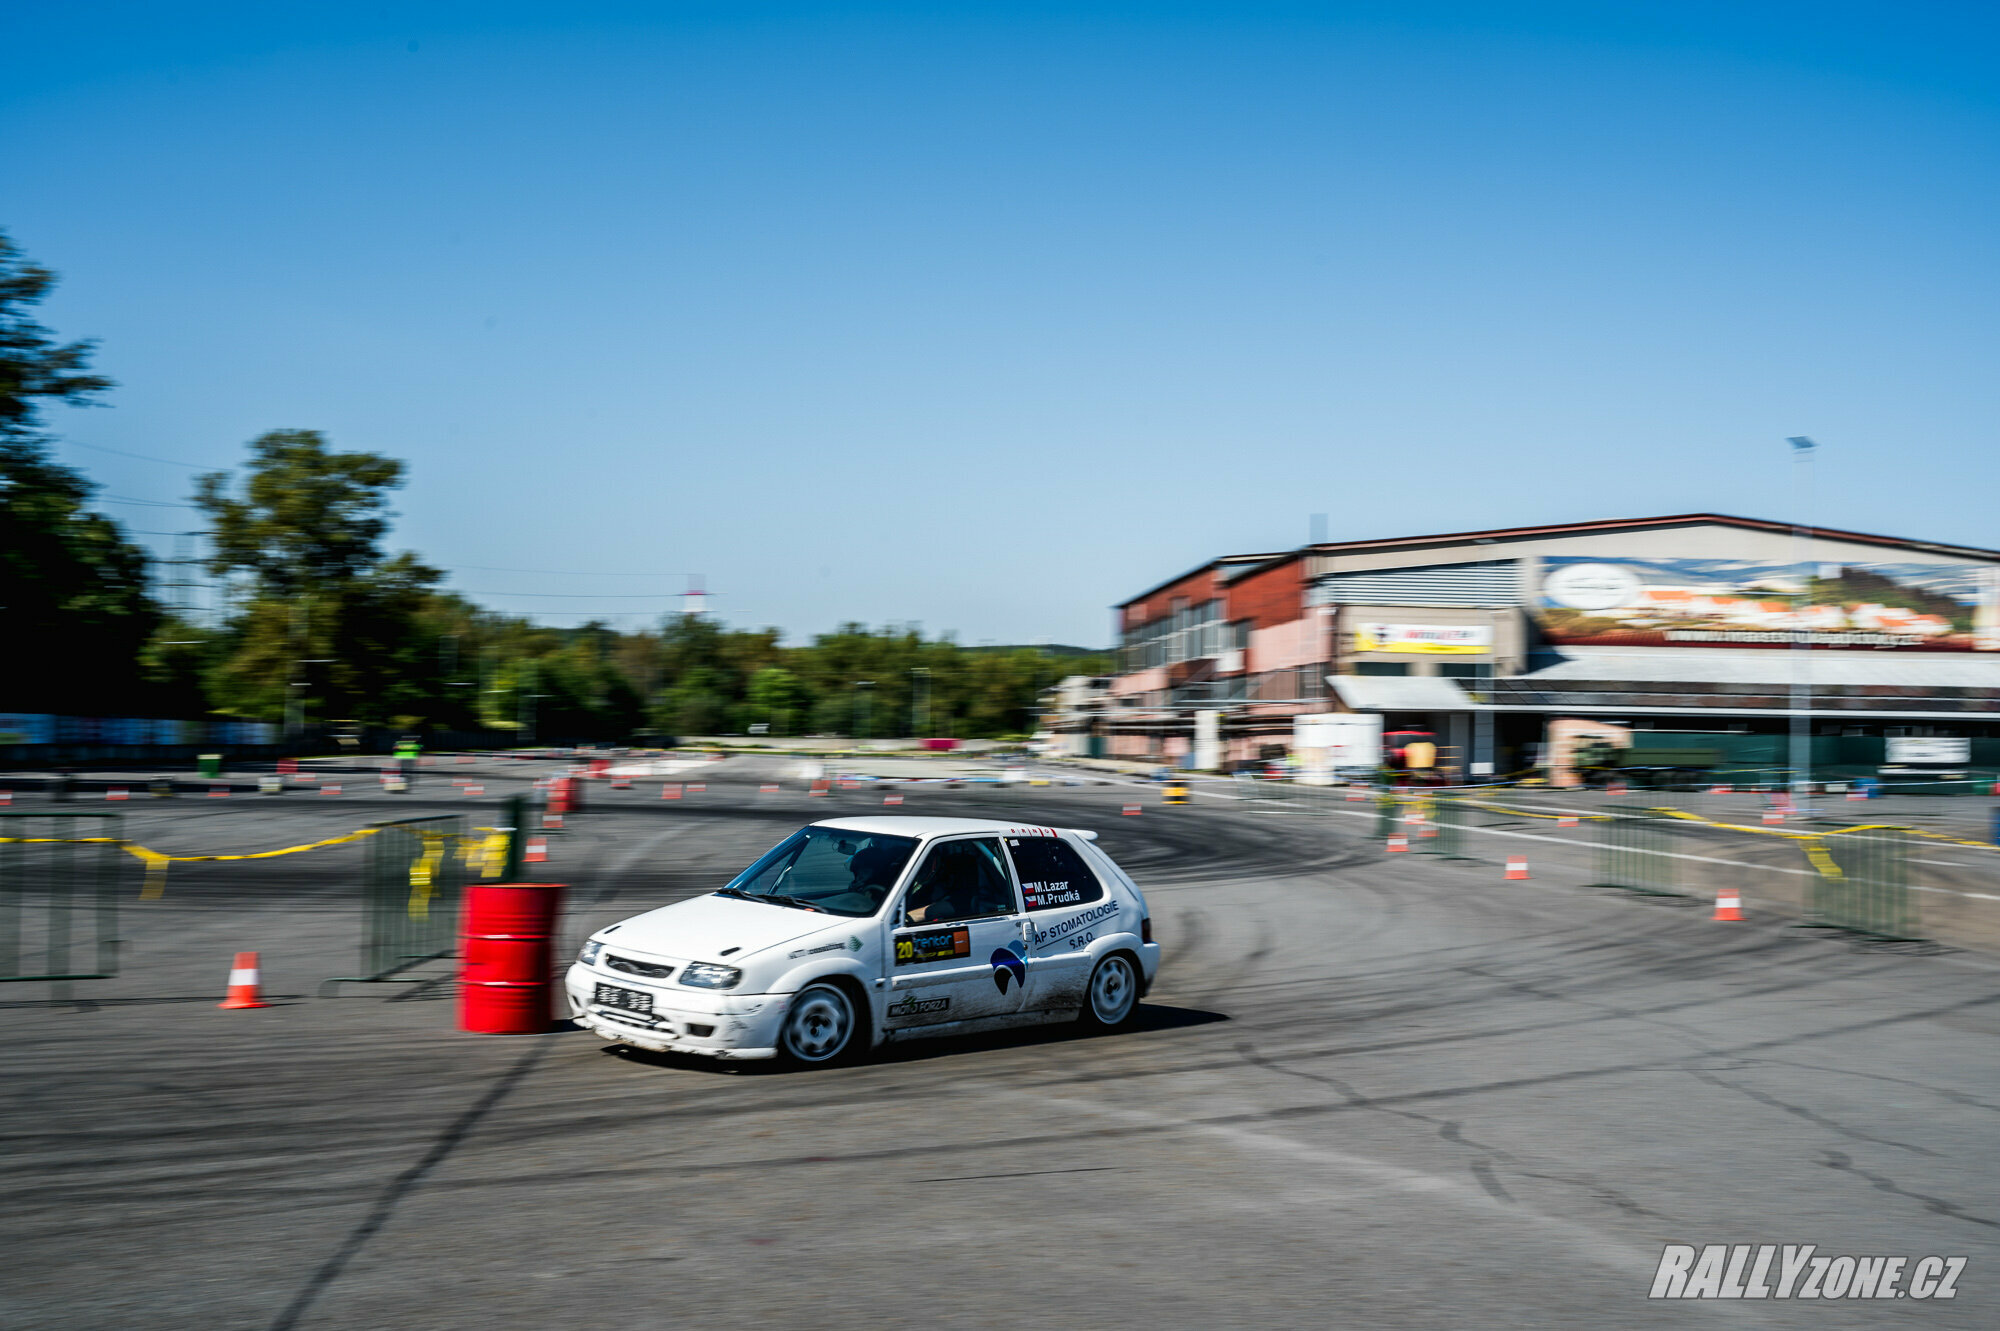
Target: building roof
1228,567
1499,534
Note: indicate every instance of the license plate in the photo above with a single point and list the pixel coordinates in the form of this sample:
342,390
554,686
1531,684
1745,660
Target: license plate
610,995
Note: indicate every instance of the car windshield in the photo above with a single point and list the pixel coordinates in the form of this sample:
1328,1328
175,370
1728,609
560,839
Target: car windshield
826,869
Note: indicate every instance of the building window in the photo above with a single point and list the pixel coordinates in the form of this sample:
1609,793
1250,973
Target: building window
1381,668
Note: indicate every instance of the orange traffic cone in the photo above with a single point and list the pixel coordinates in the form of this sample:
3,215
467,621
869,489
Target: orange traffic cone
552,820
1774,815
767,790
538,851
697,788
117,793
1517,866
892,799
670,791
1728,905
1398,843
1566,820
1131,811
818,788
243,983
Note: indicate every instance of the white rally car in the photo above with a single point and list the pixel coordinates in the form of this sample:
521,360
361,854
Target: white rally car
858,930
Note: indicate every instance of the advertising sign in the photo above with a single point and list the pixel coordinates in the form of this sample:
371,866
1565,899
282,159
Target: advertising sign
1908,749
1743,603
1425,639
27,728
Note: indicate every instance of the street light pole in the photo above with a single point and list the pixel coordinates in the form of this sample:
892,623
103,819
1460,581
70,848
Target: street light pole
1801,647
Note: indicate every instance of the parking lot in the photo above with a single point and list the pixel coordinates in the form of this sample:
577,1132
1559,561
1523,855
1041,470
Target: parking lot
1367,1091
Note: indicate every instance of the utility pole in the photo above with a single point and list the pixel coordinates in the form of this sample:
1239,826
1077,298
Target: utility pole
1801,646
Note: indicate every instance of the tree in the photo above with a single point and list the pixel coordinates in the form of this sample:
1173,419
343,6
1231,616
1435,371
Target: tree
325,609
73,605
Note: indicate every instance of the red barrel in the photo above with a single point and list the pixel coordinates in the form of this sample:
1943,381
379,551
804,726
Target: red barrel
506,947
565,794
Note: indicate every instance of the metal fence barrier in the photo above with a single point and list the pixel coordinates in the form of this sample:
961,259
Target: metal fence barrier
416,875
1863,883
1635,849
59,880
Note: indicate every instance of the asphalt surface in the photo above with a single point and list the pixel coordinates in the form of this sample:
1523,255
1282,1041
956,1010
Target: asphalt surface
1365,1092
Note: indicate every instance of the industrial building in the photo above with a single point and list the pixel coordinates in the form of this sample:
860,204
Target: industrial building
1513,644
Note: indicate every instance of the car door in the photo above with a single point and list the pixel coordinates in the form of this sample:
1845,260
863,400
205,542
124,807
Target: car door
956,950
1066,907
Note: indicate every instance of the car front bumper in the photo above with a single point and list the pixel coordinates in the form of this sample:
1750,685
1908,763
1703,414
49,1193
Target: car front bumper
683,1020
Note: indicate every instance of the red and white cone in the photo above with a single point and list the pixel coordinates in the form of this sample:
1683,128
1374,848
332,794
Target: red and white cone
537,852
1517,866
475,790
1728,905
1773,816
243,982
892,799
1566,820
552,820
117,793
1355,797
818,788
1131,811
767,790
696,789
6,798
218,792
670,791
1399,844
329,790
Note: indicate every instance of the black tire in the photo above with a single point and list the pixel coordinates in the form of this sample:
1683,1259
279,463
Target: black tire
819,1027
1111,999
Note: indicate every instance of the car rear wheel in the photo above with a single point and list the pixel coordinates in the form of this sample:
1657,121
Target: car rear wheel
1113,995
819,1027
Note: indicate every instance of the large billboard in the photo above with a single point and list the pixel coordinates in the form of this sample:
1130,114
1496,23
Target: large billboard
1743,603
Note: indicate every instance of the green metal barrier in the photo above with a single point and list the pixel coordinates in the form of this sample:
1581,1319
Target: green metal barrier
1635,851
1863,883
59,880
1388,814
416,876
1444,821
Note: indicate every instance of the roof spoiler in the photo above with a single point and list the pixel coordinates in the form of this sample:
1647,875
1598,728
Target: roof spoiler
1078,831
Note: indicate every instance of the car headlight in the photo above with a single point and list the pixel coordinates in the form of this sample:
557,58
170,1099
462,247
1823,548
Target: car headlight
590,950
706,975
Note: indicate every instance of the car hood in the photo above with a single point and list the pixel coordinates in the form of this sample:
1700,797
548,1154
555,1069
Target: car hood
704,928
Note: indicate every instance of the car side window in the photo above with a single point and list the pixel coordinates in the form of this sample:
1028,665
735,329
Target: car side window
1053,875
959,880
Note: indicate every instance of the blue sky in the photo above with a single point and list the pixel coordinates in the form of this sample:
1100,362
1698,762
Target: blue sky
986,317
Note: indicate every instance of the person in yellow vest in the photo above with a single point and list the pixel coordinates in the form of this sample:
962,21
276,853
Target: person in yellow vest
1420,757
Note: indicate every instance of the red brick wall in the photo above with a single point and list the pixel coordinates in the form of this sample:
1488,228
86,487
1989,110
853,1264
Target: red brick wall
1195,588
1270,596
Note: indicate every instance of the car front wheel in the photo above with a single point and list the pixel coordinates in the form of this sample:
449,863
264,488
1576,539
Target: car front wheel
819,1027
1113,995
